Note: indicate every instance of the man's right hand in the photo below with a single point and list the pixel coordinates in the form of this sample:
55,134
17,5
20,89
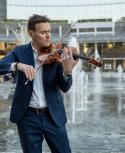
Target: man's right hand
28,70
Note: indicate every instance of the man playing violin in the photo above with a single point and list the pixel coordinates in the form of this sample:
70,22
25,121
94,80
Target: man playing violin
37,107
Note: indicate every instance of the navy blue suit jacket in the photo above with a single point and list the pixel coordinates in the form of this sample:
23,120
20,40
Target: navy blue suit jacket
53,81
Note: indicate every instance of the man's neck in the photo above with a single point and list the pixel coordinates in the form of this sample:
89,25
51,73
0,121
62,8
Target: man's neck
34,46
39,48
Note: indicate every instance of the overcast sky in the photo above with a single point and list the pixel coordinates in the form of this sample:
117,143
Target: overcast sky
62,2
67,9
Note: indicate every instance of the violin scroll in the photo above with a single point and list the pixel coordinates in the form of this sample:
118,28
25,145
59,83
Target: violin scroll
90,60
95,62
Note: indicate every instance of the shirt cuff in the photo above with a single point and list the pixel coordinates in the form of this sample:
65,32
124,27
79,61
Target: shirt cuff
65,74
12,67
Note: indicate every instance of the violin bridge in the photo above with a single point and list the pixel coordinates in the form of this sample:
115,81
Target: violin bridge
53,51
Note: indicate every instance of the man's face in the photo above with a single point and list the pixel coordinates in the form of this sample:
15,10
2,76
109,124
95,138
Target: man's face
41,37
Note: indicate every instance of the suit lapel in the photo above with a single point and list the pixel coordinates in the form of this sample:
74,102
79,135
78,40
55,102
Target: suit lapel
45,75
29,55
29,58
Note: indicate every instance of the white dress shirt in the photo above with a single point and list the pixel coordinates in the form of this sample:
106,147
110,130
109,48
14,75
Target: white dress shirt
38,97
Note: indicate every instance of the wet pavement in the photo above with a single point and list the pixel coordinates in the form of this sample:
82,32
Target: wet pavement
99,124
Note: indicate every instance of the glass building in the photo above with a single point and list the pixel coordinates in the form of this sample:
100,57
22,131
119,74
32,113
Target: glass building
3,10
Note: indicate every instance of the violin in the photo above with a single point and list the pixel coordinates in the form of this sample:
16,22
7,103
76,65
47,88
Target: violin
55,56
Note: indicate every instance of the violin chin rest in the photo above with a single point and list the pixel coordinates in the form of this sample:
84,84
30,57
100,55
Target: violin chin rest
41,58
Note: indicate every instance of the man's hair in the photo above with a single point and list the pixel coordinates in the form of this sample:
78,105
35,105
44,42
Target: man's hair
33,20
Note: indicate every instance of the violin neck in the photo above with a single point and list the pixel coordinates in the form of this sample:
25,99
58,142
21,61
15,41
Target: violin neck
75,56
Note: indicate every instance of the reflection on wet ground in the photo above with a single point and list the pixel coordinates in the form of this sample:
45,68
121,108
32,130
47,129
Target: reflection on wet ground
100,128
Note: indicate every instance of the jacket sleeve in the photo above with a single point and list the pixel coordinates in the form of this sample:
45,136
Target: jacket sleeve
5,63
64,82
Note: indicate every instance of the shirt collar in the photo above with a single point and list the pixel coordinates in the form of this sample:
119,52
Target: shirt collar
34,49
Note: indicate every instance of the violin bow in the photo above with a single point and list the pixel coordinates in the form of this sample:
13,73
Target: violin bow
54,48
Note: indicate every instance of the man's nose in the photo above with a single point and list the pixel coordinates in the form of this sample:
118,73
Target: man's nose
47,34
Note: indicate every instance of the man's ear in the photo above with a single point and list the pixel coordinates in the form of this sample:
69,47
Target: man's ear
30,33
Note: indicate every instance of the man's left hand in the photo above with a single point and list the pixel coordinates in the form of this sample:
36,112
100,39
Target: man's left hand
67,60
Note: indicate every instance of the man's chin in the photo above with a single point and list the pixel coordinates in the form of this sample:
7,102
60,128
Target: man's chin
46,45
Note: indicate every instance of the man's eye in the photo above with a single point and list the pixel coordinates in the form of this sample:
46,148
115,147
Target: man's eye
43,32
